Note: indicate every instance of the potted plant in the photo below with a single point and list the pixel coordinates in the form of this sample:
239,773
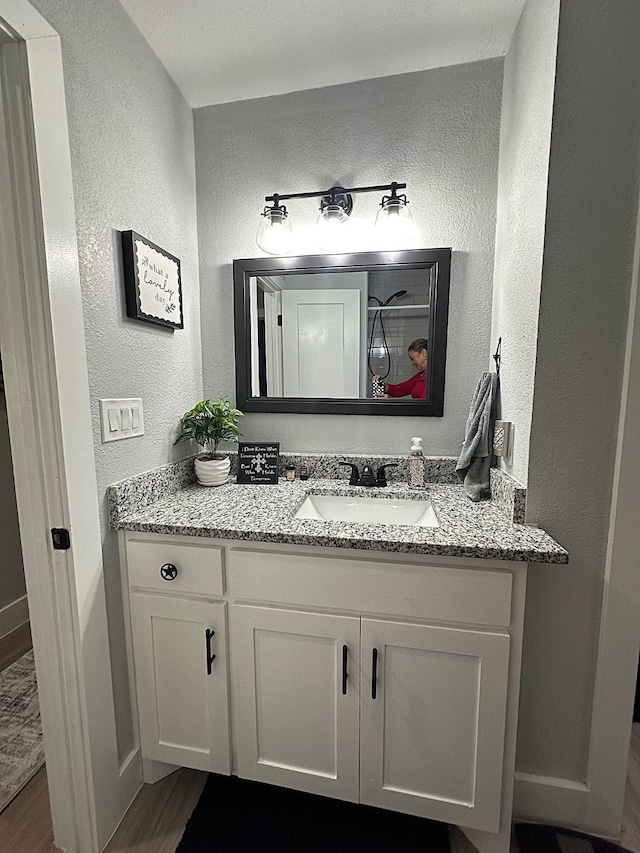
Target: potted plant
209,423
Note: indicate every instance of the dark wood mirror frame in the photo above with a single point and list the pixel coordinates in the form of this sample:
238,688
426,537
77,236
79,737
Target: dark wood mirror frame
437,261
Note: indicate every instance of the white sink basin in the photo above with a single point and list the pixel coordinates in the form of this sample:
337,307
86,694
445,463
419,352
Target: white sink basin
418,513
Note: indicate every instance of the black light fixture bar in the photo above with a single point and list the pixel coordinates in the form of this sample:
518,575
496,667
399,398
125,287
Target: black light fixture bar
338,190
336,203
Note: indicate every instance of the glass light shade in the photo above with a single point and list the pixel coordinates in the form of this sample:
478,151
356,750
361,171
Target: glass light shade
394,225
274,233
330,227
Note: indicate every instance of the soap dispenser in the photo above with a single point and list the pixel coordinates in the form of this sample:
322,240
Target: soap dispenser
416,464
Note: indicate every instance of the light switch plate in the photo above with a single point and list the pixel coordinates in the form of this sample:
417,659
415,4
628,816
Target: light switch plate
126,415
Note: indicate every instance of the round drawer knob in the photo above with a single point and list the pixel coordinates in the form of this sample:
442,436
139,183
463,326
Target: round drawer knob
169,572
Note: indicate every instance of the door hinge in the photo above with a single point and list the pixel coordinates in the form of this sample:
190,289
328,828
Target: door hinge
279,319
61,538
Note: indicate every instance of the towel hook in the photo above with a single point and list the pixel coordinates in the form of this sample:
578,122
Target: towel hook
497,356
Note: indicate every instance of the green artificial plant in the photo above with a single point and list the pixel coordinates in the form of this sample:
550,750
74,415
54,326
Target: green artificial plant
209,423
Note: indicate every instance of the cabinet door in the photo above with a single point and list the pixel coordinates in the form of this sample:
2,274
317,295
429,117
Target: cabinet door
183,703
295,707
433,721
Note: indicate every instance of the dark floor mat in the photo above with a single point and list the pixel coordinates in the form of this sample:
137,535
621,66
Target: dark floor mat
548,839
236,816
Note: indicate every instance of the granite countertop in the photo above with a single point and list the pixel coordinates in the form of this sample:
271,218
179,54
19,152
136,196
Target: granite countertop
264,513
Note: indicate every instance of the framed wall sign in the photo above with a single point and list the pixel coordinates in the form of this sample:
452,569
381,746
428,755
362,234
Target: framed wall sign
258,461
152,284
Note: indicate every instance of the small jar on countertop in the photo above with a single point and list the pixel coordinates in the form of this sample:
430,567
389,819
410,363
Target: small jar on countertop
290,472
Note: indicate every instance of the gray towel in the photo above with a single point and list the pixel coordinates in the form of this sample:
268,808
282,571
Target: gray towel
475,458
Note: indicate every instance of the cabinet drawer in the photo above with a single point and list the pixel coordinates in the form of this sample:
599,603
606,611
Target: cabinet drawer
198,567
442,593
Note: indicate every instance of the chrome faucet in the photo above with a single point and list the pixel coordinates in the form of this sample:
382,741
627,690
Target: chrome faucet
368,478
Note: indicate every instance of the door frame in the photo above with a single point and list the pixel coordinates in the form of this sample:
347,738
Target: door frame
48,407
619,641
595,803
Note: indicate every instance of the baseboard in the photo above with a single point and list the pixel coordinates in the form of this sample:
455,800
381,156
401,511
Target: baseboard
130,782
13,615
563,803
154,771
130,778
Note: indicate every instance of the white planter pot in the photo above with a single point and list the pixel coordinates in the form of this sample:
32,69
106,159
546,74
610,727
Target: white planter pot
212,472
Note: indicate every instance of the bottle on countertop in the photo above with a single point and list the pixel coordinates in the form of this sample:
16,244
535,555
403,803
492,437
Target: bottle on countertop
416,464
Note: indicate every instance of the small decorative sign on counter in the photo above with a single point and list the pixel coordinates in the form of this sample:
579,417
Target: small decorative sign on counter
258,461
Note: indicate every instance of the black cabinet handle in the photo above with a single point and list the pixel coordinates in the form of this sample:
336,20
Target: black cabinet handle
374,673
210,658
345,653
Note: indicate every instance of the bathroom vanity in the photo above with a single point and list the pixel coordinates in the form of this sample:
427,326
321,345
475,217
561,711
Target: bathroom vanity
378,664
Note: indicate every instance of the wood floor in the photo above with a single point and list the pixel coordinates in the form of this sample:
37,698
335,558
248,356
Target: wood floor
630,837
25,825
156,820
14,645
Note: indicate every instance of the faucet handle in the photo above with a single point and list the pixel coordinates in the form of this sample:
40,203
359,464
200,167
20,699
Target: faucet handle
355,474
382,477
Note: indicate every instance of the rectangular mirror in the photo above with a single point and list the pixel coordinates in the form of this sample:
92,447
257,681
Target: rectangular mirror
312,331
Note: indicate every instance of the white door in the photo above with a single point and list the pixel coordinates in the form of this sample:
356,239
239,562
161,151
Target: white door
296,699
180,655
321,343
433,719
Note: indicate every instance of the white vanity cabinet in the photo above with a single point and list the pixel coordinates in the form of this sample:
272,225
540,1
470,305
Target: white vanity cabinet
418,728
418,724
179,634
377,677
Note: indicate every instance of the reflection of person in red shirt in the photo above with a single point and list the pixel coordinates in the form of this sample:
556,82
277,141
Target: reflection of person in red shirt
417,385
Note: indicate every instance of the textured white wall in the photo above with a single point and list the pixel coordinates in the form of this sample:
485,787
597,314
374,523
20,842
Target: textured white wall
12,586
586,276
436,130
525,138
131,136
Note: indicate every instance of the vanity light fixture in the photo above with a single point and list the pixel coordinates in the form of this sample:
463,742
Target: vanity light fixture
274,232
334,215
394,223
